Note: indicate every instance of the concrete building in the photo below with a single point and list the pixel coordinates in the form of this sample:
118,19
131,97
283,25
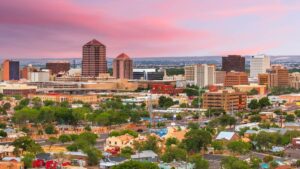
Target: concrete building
229,100
189,73
233,63
294,80
25,70
261,89
123,67
39,76
220,77
147,74
58,66
278,76
204,74
259,64
11,70
263,79
65,97
236,78
94,59
16,89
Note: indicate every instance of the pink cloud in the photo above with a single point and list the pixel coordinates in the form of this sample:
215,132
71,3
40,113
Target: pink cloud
142,28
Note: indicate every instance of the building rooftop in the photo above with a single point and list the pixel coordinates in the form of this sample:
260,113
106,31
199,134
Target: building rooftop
94,42
145,154
123,56
227,135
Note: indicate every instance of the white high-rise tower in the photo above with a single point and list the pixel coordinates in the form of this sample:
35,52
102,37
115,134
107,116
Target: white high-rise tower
259,64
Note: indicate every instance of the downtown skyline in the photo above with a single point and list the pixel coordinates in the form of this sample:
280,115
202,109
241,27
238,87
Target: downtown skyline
58,29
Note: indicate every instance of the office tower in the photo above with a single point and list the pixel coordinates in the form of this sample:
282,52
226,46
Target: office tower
294,80
220,77
189,74
147,74
11,70
278,76
259,64
201,75
93,59
122,67
58,66
263,79
229,100
236,78
26,70
233,63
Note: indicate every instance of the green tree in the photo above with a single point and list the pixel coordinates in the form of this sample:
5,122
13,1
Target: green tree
28,159
268,158
253,92
254,162
253,104
239,147
64,138
136,165
51,141
264,102
196,139
3,133
174,153
199,162
50,129
234,163
217,145
165,102
171,141
93,155
6,106
126,152
26,114
290,118
27,144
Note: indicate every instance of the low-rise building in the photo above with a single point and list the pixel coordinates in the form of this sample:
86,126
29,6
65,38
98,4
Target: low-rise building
227,136
236,78
261,89
296,142
229,100
12,89
119,142
65,97
147,155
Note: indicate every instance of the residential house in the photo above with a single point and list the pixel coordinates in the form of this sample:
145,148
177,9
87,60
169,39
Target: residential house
109,162
227,136
176,165
120,142
147,155
6,151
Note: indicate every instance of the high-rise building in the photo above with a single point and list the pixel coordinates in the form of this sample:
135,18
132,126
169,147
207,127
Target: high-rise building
26,70
278,76
236,78
122,67
11,70
220,77
201,75
58,66
259,64
189,74
94,59
263,79
233,63
294,80
229,100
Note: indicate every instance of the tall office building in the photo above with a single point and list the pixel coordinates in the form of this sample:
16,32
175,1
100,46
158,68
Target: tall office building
236,78
259,64
122,67
201,75
93,59
278,76
58,66
11,70
233,63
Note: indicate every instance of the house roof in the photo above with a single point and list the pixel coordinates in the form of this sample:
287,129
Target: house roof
227,135
6,148
144,154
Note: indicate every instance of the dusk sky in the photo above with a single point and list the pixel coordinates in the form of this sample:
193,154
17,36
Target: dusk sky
149,28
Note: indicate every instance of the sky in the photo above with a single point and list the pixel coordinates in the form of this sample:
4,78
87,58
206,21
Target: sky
149,28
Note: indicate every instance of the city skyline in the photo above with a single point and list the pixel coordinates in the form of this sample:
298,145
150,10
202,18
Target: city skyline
57,29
